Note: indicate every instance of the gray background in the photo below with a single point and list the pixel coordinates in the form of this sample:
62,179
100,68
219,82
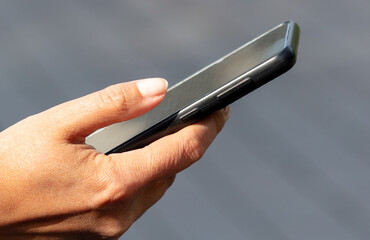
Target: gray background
291,163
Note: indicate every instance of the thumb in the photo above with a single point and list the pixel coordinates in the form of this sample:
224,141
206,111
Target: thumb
116,103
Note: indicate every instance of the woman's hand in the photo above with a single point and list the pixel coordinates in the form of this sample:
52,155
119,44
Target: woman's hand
53,185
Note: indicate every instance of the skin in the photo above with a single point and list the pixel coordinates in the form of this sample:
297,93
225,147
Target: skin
54,186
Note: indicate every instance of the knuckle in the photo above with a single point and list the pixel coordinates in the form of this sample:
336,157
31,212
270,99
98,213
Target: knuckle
113,96
111,202
111,187
108,196
112,228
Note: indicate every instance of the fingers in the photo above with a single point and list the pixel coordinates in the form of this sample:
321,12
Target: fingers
171,154
113,104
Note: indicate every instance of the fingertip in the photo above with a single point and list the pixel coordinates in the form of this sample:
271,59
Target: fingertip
152,87
226,112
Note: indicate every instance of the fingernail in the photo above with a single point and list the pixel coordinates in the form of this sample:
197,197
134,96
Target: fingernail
226,111
152,87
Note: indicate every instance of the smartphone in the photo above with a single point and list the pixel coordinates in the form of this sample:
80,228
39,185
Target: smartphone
214,87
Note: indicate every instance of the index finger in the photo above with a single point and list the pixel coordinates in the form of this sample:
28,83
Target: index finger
173,153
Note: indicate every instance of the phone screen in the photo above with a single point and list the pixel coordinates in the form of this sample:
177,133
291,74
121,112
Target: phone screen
195,87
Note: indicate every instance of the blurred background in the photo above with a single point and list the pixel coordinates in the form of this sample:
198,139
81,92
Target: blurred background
292,161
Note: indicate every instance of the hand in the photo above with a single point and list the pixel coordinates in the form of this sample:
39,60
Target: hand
53,185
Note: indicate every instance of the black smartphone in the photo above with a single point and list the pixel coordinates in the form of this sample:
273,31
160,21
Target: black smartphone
211,88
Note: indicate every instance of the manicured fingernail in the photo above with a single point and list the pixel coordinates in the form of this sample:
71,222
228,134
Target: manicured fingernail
152,87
